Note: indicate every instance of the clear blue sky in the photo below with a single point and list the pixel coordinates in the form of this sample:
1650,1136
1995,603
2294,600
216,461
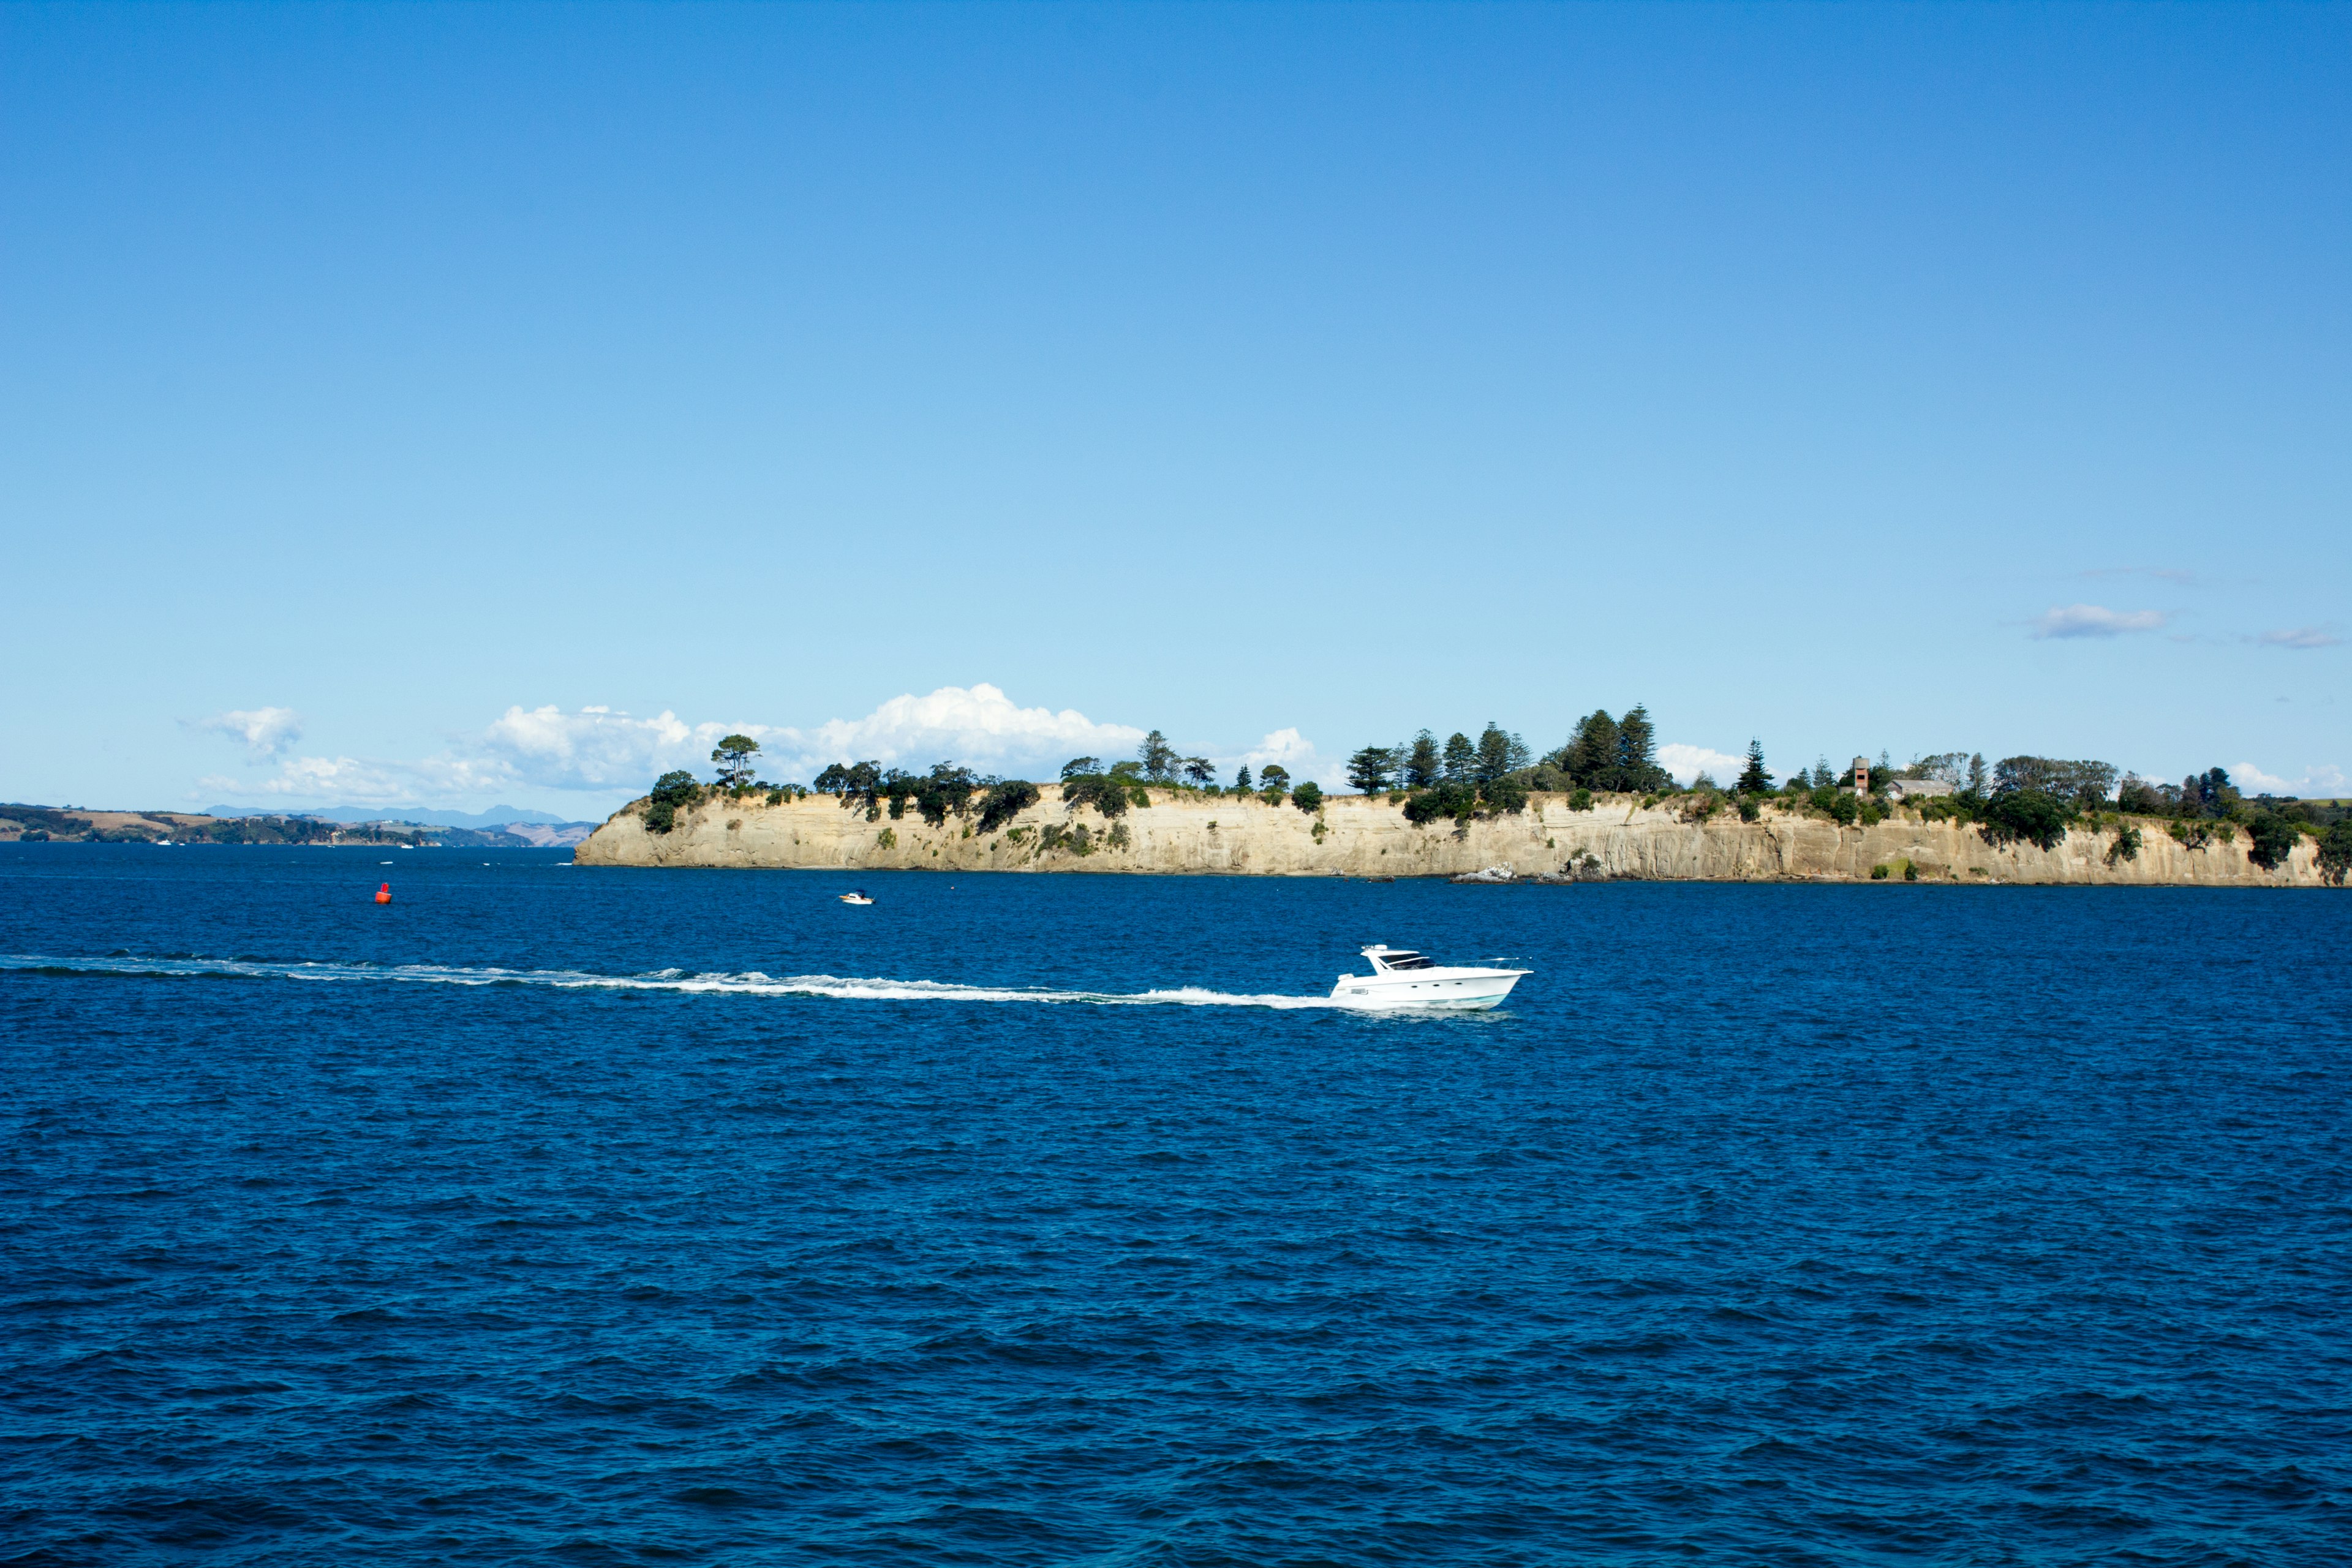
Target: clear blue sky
1852,377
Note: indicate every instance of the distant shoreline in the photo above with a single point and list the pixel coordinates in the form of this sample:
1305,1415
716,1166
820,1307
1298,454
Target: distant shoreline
70,824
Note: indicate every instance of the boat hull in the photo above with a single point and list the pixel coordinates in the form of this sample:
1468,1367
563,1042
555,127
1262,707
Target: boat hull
1459,991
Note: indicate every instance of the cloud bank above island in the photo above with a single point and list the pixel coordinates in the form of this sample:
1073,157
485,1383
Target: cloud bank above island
611,755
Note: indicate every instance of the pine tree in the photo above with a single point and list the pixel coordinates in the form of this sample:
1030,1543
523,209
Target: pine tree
1159,758
1369,769
1637,752
1242,780
1461,758
1494,754
1422,767
1593,753
1753,779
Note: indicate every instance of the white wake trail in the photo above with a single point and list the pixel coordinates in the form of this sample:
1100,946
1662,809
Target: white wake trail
751,983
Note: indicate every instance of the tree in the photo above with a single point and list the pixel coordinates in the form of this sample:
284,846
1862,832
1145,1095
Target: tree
1976,772
1499,753
2271,840
2143,798
1274,777
1107,793
2084,786
1159,758
1200,771
1422,767
948,788
1307,797
897,787
1753,779
1242,779
670,791
1506,793
1460,764
1081,767
1443,798
2336,853
1369,769
734,756
2208,793
1591,751
858,783
1003,802
1637,752
2028,814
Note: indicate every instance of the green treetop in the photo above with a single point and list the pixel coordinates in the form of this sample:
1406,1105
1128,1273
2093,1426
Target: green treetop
734,756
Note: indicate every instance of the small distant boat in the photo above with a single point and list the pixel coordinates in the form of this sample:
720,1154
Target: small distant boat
856,897
1404,978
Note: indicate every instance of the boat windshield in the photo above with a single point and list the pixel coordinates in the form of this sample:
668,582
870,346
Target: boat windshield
1406,961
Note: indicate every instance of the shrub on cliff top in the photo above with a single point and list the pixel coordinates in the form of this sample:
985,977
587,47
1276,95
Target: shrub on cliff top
1110,793
2026,814
2336,854
1307,797
2272,838
670,791
1003,802
1457,801
1506,793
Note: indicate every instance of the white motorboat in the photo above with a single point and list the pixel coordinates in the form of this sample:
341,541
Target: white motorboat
1403,978
856,898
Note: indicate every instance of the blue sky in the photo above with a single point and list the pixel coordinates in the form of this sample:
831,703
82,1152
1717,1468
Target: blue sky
449,405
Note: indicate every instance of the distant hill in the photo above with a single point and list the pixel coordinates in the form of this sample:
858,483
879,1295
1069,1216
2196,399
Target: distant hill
496,817
21,824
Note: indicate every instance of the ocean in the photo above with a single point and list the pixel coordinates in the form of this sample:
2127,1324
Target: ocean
605,1216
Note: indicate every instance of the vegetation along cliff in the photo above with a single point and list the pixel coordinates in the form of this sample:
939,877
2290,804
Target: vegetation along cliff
1598,807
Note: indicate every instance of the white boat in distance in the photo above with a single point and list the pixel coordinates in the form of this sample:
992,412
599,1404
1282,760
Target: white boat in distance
857,898
1403,978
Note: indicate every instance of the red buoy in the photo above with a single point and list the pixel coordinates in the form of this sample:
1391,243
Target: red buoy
383,894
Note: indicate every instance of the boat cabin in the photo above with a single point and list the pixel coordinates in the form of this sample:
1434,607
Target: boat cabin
1389,960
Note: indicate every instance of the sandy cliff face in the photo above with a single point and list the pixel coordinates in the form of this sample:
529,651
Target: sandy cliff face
1370,837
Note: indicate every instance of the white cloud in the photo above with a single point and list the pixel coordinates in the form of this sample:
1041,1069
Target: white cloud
2323,780
1295,755
2301,638
596,748
266,732
1687,762
2095,621
601,750
979,725
2247,777
365,780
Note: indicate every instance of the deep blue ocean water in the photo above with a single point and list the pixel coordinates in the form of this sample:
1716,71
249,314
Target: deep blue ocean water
526,1219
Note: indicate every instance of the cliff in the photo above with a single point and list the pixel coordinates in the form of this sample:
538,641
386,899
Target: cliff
1360,837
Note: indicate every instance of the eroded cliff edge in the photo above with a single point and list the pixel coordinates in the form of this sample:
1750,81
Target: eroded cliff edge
1367,836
